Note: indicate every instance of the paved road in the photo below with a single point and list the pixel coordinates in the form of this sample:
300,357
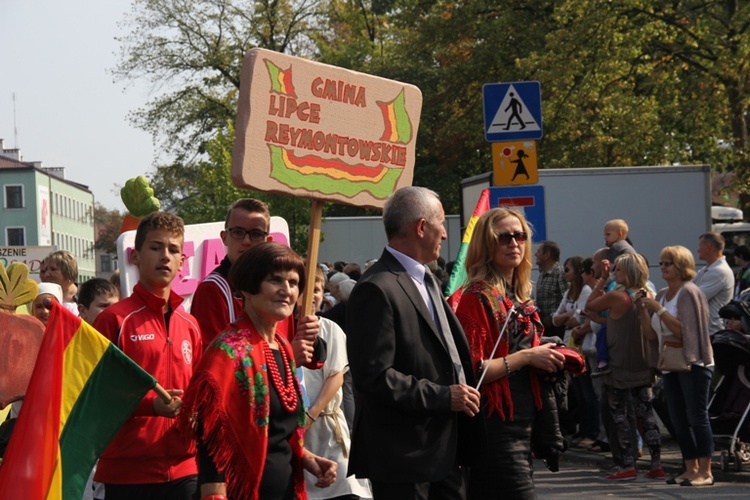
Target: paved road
581,480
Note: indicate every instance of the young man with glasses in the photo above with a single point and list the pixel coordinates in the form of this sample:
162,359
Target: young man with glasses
216,305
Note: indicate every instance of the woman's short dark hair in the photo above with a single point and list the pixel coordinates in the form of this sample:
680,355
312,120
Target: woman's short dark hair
262,260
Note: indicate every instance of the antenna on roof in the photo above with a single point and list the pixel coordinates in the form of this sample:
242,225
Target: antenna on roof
15,129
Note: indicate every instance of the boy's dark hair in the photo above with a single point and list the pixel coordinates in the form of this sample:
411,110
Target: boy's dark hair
158,220
250,205
94,287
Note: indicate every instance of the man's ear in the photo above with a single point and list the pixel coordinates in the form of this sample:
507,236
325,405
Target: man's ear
421,227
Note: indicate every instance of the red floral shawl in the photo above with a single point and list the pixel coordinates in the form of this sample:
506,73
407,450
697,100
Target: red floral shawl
482,312
229,394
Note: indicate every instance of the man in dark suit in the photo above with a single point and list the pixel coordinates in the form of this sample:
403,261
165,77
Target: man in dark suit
410,363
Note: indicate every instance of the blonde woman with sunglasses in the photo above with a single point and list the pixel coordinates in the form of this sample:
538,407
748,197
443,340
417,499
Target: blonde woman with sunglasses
515,392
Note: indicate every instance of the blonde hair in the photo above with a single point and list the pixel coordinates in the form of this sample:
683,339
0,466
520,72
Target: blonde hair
620,225
636,270
482,249
682,259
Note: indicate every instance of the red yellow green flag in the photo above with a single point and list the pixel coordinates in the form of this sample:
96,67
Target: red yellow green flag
396,119
82,390
281,80
458,275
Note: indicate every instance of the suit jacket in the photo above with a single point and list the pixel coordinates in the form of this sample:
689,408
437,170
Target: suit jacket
404,430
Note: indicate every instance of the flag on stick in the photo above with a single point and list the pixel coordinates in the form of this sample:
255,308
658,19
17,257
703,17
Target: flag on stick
82,390
458,275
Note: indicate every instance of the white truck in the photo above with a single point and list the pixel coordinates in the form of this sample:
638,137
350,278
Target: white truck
665,205
730,223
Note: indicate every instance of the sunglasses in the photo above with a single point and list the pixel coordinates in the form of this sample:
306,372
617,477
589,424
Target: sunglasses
505,238
665,263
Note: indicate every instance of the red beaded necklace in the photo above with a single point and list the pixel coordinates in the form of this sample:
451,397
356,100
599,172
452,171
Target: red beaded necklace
287,392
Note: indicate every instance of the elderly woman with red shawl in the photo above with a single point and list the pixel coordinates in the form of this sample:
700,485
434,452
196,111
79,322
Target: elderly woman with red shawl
244,403
514,394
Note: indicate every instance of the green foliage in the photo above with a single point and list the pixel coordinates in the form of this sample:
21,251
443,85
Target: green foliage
107,223
192,50
624,82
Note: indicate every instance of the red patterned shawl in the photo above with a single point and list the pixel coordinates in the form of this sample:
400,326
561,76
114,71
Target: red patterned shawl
229,395
482,312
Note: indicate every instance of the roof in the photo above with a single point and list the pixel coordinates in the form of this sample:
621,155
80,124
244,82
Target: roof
12,164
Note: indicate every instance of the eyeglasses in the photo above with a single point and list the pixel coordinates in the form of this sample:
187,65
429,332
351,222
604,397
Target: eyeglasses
505,238
665,263
239,233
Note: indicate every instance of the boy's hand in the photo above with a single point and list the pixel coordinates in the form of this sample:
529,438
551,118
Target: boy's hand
302,345
172,409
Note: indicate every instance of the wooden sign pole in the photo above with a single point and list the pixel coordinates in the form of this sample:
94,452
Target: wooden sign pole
313,245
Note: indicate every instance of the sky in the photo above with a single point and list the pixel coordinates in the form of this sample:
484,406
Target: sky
56,58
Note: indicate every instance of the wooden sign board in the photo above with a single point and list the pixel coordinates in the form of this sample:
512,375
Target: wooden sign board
318,131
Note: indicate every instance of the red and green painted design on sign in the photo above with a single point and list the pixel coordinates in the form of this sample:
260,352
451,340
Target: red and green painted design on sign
396,119
281,80
331,176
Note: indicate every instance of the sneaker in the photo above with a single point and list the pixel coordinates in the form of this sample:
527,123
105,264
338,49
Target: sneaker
655,473
623,475
599,371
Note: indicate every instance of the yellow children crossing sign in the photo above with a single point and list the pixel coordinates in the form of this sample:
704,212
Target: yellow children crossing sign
514,163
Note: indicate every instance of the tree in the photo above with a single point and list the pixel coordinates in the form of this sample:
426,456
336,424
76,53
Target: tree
107,223
192,51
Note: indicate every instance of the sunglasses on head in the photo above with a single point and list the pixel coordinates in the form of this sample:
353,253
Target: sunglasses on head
505,238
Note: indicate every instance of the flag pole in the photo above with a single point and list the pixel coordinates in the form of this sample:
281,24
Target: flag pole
163,394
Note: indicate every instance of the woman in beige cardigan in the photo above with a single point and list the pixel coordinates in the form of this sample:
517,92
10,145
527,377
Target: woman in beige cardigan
681,310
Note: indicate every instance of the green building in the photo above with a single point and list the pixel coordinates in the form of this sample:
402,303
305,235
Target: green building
42,208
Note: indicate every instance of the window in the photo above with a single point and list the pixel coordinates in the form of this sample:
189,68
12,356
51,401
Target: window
105,262
14,196
15,236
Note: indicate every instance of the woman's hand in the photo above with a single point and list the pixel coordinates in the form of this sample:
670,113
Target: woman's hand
649,304
322,468
545,357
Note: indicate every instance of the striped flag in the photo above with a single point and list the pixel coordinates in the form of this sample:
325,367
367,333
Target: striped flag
82,390
281,80
458,275
396,120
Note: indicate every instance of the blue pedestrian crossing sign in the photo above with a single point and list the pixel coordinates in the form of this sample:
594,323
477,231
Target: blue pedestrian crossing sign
512,111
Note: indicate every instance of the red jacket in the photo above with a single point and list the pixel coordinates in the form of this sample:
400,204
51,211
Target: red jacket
148,448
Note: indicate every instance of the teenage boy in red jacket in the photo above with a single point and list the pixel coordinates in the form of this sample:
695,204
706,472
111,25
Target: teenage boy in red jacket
148,459
216,305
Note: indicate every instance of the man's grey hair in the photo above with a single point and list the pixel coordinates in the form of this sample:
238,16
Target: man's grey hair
406,206
716,240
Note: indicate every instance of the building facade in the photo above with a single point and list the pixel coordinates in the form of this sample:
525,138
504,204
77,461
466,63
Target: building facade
41,208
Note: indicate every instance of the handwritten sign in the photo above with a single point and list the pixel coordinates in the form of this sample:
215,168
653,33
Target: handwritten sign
203,250
318,131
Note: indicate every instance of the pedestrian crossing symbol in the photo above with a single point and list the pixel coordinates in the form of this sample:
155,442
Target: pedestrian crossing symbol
512,111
